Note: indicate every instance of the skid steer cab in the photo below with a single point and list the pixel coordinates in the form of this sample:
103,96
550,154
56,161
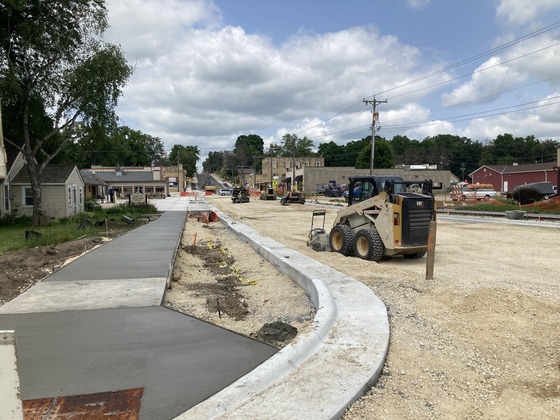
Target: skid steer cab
386,216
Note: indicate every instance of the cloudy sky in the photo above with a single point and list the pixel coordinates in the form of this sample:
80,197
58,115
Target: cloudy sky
208,71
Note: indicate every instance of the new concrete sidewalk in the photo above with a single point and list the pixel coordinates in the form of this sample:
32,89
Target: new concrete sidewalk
97,326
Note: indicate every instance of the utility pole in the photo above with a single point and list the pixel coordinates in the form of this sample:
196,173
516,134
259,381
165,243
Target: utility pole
375,118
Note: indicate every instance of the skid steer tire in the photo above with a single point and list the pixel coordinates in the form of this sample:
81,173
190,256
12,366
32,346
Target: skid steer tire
341,239
368,245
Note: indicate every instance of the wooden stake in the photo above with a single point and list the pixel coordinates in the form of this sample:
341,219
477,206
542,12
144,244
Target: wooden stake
431,250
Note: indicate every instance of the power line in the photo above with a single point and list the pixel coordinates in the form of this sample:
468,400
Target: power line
456,65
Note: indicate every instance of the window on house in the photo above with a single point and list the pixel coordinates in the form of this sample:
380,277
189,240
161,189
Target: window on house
318,163
274,164
287,164
298,164
28,200
306,163
6,198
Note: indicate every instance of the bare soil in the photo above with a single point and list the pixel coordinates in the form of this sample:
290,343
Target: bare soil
23,268
221,279
480,340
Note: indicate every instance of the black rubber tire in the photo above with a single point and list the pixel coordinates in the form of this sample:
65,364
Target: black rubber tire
462,198
486,198
368,245
341,239
415,255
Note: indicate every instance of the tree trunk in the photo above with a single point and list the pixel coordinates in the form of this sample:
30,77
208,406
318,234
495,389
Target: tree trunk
32,168
36,188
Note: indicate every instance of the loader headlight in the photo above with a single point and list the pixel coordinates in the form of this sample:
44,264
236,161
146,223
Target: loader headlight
396,219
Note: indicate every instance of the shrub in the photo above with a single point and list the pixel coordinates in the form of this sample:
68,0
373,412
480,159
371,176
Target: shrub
12,219
93,206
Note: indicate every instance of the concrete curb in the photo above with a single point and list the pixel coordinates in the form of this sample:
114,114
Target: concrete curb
11,407
326,368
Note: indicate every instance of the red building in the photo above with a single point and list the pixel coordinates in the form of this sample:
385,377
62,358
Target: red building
506,178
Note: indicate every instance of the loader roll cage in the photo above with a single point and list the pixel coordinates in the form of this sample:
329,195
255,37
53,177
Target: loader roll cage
362,188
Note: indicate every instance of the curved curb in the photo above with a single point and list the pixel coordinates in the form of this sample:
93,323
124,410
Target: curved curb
325,369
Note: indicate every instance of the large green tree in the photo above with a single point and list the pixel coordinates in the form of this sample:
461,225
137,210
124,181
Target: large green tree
187,155
123,146
214,162
292,145
55,71
383,155
248,151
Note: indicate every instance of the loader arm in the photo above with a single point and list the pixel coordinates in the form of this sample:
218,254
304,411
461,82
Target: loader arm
368,208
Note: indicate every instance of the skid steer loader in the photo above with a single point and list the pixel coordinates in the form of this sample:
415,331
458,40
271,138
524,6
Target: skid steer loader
386,216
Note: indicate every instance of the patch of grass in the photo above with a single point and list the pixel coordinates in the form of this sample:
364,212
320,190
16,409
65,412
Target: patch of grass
13,234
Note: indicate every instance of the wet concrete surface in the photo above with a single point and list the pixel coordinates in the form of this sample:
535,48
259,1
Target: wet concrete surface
175,360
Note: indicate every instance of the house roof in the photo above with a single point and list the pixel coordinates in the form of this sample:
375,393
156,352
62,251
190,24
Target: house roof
52,174
91,178
515,169
126,176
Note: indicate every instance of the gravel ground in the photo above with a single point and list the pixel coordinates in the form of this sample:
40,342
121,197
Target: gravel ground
480,340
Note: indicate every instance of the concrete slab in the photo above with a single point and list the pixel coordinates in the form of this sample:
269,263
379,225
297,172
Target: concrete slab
178,360
51,296
11,407
145,252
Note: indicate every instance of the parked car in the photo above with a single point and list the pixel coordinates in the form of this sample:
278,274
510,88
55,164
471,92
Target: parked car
535,191
225,191
333,191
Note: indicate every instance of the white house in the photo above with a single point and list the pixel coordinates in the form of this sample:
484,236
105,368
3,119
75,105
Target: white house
62,190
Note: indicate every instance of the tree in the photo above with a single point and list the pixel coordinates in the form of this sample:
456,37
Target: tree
248,151
123,147
187,155
383,155
54,74
292,146
214,162
354,149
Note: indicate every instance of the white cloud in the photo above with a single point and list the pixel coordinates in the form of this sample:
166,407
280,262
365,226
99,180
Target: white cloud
488,79
198,82
522,12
